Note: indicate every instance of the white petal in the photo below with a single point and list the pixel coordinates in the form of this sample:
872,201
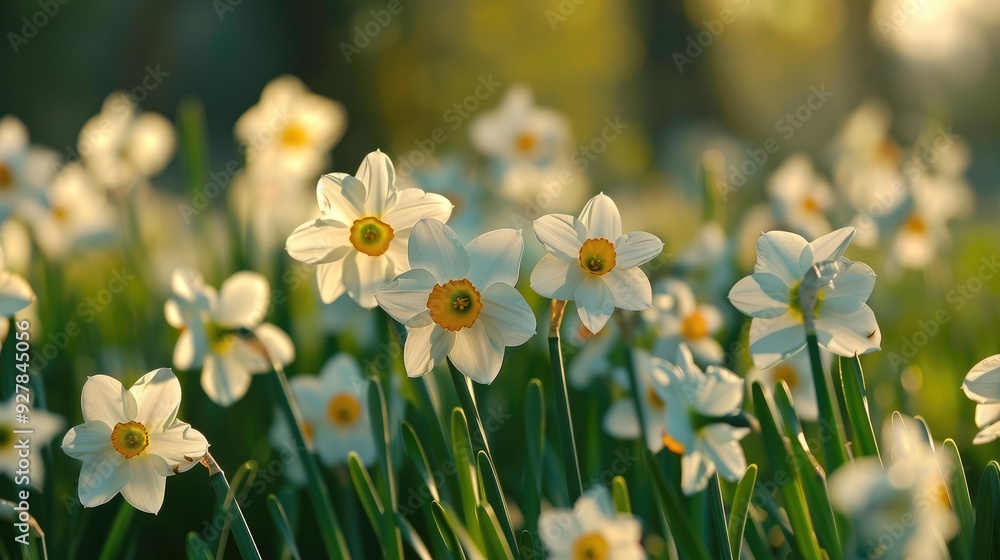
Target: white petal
425,347
103,478
706,350
224,379
594,303
172,312
724,450
851,288
190,350
152,142
630,287
987,434
187,284
330,279
277,343
177,449
495,256
363,275
410,205
636,248
778,253
555,278
830,247
341,372
435,247
506,315
88,441
760,295
157,397
621,420
104,398
477,355
561,234
244,299
145,488
377,173
319,241
602,219
850,333
773,340
720,394
15,294
982,383
341,197
696,469
405,296
987,414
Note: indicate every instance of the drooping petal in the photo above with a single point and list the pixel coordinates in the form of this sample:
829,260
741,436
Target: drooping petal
176,449
363,276
410,205
405,296
760,295
773,340
88,441
377,173
778,253
330,279
15,294
157,396
830,247
476,354
630,287
637,248
594,303
850,333
851,288
224,379
277,343
987,414
561,235
425,347
982,383
435,247
555,278
341,197
506,315
696,469
102,478
319,241
145,488
602,219
104,398
244,299
495,256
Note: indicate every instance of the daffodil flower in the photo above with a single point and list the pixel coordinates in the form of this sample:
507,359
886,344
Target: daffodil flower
459,301
800,196
75,215
131,440
588,260
209,322
360,240
621,420
798,286
44,425
25,170
15,293
676,317
518,131
982,385
592,529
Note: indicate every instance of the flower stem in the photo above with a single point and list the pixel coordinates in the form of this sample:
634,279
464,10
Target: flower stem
463,386
574,484
241,532
333,536
833,444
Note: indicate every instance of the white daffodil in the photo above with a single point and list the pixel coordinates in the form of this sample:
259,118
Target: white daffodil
921,231
334,408
291,129
902,510
44,426
122,148
800,197
208,340
131,440
591,530
25,170
796,372
15,293
75,215
797,284
459,302
518,131
593,357
268,204
982,385
676,317
589,261
360,240
621,421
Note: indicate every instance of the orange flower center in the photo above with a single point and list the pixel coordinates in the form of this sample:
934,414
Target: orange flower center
60,213
788,374
915,225
294,136
6,179
129,438
654,399
672,444
455,304
371,236
597,256
526,142
591,546
694,326
810,204
343,409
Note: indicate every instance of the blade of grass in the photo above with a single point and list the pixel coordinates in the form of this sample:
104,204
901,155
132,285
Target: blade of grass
367,493
392,544
958,492
834,453
196,548
462,447
858,414
496,546
412,538
984,537
466,547
534,428
619,495
277,512
229,504
490,483
120,527
717,512
418,459
738,514
670,505
571,463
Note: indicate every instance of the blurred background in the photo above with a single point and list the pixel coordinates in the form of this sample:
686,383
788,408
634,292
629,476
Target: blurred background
749,82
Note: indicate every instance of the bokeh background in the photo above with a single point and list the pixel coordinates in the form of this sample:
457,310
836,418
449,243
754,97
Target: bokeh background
685,76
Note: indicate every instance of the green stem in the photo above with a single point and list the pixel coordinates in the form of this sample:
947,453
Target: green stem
241,532
333,536
833,445
466,396
571,464
119,532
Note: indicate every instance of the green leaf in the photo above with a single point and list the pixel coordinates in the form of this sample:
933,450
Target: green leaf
494,495
958,492
366,491
985,545
466,473
193,141
464,546
534,427
114,543
741,506
412,538
277,512
793,497
670,506
619,494
526,546
226,497
392,543
496,546
834,453
418,458
717,512
858,414
196,548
